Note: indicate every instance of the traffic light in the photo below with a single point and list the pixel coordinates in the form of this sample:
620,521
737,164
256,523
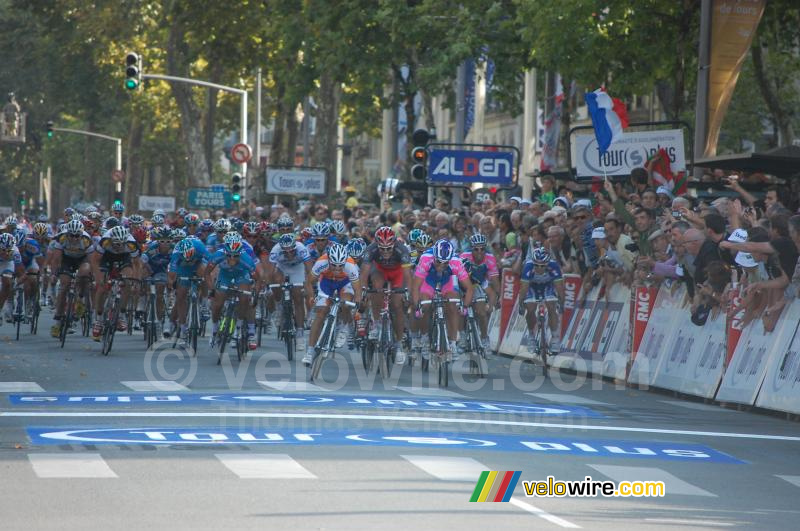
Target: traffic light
49,129
419,154
133,71
236,187
21,199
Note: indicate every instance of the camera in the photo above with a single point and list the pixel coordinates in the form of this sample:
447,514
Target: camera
677,214
632,247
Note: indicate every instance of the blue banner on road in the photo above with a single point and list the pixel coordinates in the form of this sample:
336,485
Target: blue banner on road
216,435
302,400
461,166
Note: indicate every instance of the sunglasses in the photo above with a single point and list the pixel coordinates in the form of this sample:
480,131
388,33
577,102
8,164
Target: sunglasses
582,216
478,248
382,248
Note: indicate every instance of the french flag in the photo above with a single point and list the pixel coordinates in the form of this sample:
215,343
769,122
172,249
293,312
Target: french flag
609,117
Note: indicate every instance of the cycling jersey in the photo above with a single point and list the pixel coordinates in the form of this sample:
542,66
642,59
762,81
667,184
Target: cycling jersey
157,262
400,256
331,281
446,278
480,273
187,268
233,274
29,252
279,257
73,247
542,285
107,246
212,241
9,261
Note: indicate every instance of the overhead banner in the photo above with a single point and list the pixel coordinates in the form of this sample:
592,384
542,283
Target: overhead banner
469,166
629,152
295,181
733,26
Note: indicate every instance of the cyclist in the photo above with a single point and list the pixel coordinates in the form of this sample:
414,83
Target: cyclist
221,228
188,259
321,233
422,245
290,258
118,211
42,233
541,280
191,223
336,272
285,225
138,230
115,254
32,258
10,265
388,260
204,229
339,232
355,249
235,270
440,268
71,249
483,272
156,259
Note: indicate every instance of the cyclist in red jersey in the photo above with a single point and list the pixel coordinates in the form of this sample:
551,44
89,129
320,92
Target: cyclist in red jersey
388,259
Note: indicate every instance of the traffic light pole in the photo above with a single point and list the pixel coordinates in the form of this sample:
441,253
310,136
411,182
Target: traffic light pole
240,92
96,135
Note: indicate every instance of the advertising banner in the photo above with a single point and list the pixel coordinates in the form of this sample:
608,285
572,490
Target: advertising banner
707,363
781,387
630,151
463,166
572,287
508,298
734,323
300,181
643,302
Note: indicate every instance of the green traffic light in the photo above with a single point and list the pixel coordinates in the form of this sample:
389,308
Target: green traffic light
49,134
237,197
131,84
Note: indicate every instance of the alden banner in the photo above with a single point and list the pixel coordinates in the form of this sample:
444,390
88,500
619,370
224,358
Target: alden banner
733,25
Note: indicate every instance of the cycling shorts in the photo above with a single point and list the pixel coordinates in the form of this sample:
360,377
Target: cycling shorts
394,276
329,287
296,272
70,264
7,267
449,287
186,271
233,279
546,292
109,261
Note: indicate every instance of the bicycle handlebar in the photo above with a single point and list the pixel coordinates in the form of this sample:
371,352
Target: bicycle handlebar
294,285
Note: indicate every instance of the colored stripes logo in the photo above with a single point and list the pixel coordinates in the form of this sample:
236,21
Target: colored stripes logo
495,486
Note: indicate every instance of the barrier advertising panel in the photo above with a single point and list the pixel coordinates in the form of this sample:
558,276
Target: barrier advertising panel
679,345
618,355
781,387
706,364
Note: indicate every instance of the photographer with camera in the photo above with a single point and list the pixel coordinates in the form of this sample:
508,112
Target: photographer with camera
643,220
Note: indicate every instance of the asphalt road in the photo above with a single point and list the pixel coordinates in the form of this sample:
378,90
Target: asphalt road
161,440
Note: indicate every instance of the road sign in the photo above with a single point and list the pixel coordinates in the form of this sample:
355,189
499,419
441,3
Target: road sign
470,166
117,176
156,202
241,153
207,198
296,180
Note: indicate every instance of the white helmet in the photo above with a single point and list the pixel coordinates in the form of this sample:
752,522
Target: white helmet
337,254
118,234
74,227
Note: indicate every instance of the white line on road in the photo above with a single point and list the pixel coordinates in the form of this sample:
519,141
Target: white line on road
567,399
291,386
20,387
674,485
154,385
794,480
448,468
264,466
428,391
401,418
688,522
553,519
70,466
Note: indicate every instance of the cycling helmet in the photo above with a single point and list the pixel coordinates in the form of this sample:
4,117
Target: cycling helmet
424,241
477,239
19,235
110,223
541,256
265,227
67,212
158,220
41,229
159,212
232,237
414,234
385,237
250,229
337,254
286,241
74,227
42,218
160,233
6,241
321,230
182,212
118,207
118,234
443,250
90,208
305,234
338,227
135,219
239,225
356,248
285,222
222,225
233,248
95,216
191,219
77,216
206,225
178,234
186,249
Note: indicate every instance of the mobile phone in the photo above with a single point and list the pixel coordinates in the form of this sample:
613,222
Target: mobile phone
676,214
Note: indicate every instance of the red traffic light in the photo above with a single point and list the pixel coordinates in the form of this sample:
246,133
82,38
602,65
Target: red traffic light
493,189
419,154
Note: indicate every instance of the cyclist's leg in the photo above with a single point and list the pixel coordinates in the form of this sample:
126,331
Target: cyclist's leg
376,299
482,317
7,270
553,322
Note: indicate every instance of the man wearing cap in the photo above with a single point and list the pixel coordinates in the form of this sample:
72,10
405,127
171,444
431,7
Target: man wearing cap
610,262
665,197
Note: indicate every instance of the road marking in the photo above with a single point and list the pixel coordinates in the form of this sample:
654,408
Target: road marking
70,466
154,385
448,468
20,387
264,466
291,386
401,418
674,485
427,391
567,399
695,405
553,519
794,480
679,521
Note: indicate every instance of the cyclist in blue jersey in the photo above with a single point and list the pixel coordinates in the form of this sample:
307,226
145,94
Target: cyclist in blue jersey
542,280
155,260
339,232
236,269
321,234
188,259
221,228
10,265
32,257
